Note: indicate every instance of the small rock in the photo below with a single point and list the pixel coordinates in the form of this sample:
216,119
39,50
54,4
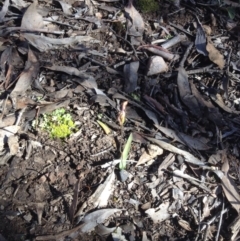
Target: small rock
156,65
124,175
28,217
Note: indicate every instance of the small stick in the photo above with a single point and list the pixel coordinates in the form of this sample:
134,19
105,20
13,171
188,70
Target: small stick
134,50
220,222
185,55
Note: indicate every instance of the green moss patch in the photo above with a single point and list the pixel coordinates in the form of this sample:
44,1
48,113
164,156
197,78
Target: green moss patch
147,6
58,124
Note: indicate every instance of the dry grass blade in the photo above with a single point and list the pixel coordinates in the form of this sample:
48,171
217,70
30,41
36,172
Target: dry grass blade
43,43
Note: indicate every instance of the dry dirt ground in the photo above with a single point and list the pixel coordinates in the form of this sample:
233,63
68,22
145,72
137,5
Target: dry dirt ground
119,120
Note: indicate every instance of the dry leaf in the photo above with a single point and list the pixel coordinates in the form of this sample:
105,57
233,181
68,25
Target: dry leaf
13,145
4,10
188,156
229,187
151,115
66,7
213,114
43,43
130,76
103,230
31,18
91,220
201,41
118,236
5,133
135,23
214,55
40,209
186,94
219,101
100,196
192,142
28,75
155,103
184,224
206,209
152,152
160,213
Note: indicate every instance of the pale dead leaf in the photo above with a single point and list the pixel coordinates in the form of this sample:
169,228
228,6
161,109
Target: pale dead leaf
103,230
43,43
131,76
144,236
184,224
5,133
214,55
219,101
28,75
100,196
31,18
91,220
13,144
152,152
188,156
4,10
229,187
215,159
206,209
66,7
160,213
135,23
118,236
40,209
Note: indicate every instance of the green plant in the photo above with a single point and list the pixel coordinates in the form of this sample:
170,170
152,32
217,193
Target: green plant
231,12
58,124
126,150
147,6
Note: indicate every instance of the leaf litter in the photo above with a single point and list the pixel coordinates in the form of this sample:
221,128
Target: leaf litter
154,152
